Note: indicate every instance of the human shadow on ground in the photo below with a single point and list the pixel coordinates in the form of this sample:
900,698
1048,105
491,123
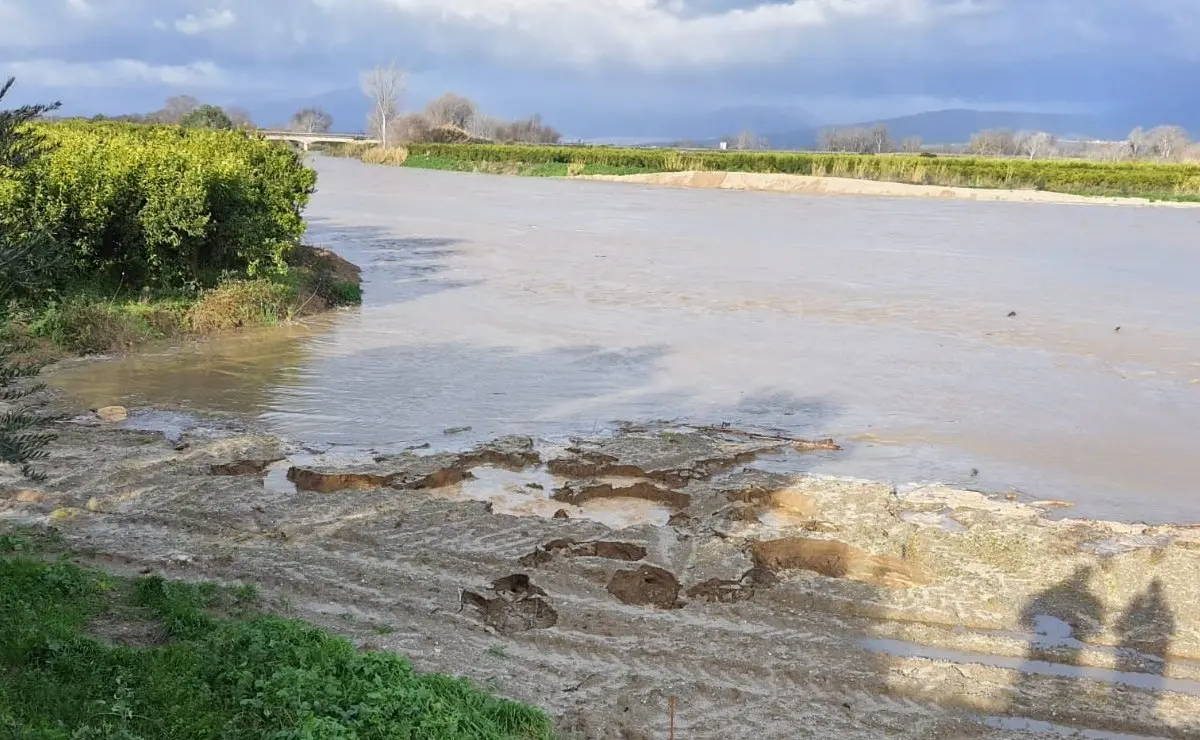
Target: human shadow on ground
1056,685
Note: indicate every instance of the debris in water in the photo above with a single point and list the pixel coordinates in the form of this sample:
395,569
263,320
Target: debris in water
112,413
456,430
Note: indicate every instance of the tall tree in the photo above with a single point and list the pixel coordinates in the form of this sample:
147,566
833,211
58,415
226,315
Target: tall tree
312,121
383,86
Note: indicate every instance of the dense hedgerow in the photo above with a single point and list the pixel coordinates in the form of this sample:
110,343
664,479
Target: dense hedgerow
1069,176
159,206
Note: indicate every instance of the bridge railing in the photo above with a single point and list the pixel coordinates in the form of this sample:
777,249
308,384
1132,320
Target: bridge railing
312,134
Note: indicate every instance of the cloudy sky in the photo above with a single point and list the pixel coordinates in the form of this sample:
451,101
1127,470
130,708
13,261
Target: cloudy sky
581,60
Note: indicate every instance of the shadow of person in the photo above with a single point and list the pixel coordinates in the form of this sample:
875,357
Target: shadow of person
1061,618
1144,631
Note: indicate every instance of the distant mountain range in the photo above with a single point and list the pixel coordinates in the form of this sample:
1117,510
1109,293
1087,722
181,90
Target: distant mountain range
956,126
783,128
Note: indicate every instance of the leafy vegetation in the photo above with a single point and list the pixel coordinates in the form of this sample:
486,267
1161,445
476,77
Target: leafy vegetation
1143,179
88,655
115,233
160,206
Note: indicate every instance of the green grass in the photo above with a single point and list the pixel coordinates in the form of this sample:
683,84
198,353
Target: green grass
88,655
1177,182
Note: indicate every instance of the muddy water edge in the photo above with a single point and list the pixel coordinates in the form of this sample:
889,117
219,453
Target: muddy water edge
599,569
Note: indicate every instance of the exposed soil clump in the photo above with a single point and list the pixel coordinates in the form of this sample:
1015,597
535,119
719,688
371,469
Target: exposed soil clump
835,559
510,453
646,586
518,606
793,502
643,490
405,472
242,467
729,591
671,458
624,551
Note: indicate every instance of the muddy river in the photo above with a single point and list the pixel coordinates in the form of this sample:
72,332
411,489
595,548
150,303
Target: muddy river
1049,350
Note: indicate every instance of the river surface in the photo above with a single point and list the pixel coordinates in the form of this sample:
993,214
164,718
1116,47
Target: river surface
552,307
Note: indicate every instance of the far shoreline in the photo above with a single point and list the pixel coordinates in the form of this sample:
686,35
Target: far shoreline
846,186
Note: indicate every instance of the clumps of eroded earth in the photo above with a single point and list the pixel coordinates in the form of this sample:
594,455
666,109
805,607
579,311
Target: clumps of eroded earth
600,577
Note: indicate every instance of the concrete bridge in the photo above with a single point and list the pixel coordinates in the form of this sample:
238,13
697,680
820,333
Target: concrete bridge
307,138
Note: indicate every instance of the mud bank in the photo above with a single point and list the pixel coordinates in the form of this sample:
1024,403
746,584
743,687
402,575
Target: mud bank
599,578
780,183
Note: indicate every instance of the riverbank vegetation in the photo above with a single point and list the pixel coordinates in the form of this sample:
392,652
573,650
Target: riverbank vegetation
91,655
1162,181
133,232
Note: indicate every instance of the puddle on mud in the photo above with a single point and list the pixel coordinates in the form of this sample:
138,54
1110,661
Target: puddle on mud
525,493
1149,681
1024,724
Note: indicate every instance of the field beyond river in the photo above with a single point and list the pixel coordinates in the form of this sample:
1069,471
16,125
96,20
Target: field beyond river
785,466
1152,181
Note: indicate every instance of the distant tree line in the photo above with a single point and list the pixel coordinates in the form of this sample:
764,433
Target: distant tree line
185,110
1162,143
450,118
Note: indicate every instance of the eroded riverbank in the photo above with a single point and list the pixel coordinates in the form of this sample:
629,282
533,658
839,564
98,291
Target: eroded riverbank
600,576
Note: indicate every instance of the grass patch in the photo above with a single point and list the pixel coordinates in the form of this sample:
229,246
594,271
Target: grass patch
89,323
88,655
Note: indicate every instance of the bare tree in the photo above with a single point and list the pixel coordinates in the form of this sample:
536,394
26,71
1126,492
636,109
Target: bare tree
993,143
484,127
1035,144
239,117
881,140
383,86
1167,141
311,120
747,140
856,139
1139,143
529,130
175,109
451,110
911,145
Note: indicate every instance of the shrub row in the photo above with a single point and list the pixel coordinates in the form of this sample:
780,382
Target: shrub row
159,206
1068,176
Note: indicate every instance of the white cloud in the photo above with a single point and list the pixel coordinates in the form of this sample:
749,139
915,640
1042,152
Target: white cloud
212,20
116,73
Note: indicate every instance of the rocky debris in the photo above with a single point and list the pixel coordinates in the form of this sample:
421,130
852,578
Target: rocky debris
242,467
835,559
579,494
518,606
798,444
112,413
646,586
671,458
625,551
729,592
562,514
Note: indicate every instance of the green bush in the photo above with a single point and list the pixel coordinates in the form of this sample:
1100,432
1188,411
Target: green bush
1067,176
160,206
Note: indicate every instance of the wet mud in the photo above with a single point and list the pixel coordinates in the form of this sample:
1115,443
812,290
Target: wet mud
780,603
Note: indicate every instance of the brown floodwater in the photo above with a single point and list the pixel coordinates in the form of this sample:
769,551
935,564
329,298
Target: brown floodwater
551,307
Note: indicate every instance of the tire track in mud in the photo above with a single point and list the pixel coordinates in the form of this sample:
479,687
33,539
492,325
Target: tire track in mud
817,669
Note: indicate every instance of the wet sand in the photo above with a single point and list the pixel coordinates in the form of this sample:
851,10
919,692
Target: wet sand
551,307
